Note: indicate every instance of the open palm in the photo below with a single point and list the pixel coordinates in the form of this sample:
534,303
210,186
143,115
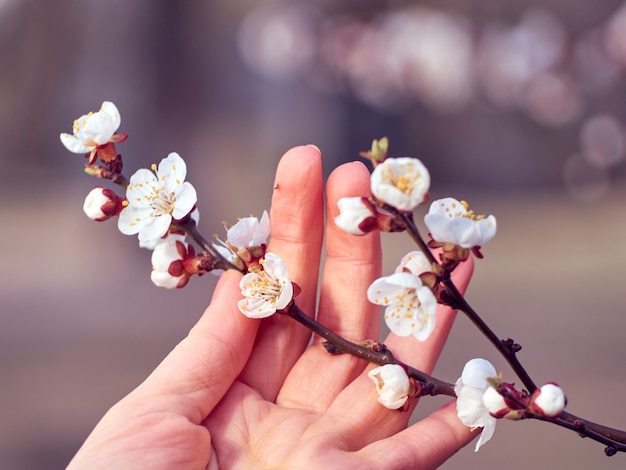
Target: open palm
244,393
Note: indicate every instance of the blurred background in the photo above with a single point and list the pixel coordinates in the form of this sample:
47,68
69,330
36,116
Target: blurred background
518,107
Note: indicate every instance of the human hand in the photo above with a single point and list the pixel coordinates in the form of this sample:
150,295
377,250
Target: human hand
244,393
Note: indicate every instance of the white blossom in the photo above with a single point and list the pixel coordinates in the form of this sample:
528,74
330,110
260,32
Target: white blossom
156,199
469,389
401,182
451,221
411,306
414,262
266,291
245,240
94,129
392,385
249,232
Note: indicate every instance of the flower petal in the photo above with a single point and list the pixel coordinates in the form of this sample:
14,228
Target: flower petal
172,171
98,129
414,262
186,199
253,307
486,433
164,279
73,144
249,231
477,371
448,221
262,232
140,189
470,389
133,219
155,228
110,109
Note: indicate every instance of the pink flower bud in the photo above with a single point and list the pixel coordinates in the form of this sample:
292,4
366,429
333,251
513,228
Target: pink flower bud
102,204
548,401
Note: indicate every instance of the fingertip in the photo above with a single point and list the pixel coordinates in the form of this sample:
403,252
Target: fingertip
300,155
299,170
315,147
356,169
348,180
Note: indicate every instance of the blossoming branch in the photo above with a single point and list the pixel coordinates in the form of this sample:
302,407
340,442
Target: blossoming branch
160,207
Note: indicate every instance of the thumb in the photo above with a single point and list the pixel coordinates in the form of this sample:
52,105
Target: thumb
203,366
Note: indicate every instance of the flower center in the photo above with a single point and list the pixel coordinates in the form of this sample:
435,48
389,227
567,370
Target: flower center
404,305
162,202
404,178
470,214
264,286
465,212
79,125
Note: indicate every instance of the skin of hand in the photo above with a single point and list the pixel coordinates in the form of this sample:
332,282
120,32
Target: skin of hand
245,393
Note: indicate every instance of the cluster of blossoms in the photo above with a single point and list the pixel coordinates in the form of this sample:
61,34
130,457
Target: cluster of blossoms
410,294
400,185
159,206
482,398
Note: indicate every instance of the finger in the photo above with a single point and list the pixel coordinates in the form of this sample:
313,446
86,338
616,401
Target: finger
352,264
369,419
202,367
296,222
426,444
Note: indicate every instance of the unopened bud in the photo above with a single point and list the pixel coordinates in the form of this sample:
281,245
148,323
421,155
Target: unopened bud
102,204
169,263
548,401
392,384
378,152
495,403
356,215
